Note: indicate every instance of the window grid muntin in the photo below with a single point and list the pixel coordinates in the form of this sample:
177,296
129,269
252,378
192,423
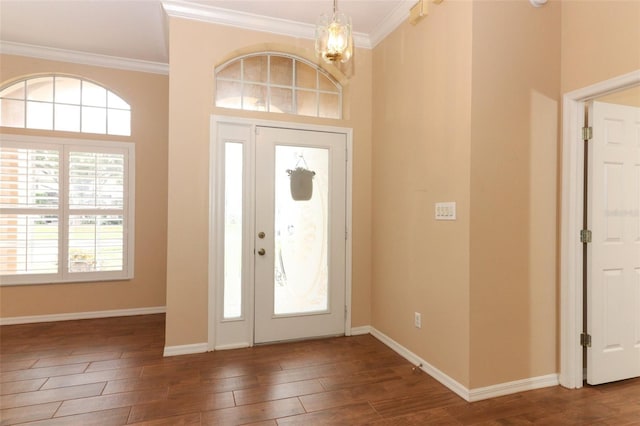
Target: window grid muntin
25,99
268,85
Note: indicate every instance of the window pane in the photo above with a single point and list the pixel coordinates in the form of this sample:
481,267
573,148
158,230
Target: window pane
277,90
67,90
93,95
281,100
119,122
11,113
326,84
94,120
39,115
307,103
96,180
67,118
329,106
28,244
60,94
228,94
255,69
96,243
115,101
29,178
233,230
301,231
254,97
40,89
281,70
231,71
33,223
15,91
306,77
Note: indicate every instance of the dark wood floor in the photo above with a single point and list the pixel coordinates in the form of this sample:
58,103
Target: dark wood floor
111,372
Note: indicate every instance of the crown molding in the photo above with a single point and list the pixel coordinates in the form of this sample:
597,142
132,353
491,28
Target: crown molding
393,20
84,58
250,21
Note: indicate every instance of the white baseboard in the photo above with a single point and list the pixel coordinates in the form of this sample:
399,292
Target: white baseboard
82,315
508,388
449,382
195,348
232,346
469,395
357,331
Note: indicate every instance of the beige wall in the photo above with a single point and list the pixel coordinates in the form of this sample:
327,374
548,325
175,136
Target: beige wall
421,154
600,40
629,97
466,110
195,49
514,116
148,96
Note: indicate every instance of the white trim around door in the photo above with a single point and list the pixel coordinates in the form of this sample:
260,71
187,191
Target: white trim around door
240,332
571,275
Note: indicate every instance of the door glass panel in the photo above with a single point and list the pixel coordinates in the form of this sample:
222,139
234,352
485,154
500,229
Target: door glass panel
301,230
233,230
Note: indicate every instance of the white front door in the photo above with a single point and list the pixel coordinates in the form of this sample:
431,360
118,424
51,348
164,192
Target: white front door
613,274
299,239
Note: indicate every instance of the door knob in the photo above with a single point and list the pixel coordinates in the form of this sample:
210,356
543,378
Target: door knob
261,252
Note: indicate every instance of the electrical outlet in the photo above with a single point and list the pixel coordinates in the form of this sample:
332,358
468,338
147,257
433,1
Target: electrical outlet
417,319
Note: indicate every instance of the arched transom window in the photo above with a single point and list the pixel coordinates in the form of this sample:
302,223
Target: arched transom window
58,102
275,82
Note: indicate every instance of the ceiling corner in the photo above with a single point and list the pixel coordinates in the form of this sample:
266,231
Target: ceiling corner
393,20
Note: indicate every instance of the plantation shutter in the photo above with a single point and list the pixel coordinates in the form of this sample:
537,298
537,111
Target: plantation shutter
30,209
66,210
96,211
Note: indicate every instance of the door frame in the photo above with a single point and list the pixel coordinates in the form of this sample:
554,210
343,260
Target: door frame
215,255
571,276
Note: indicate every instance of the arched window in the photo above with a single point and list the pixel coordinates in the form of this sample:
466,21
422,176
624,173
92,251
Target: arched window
276,82
66,204
59,102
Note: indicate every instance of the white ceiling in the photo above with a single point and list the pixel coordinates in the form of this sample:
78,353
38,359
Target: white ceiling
136,29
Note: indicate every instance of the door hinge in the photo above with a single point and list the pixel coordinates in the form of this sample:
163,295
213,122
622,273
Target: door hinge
585,340
585,236
587,133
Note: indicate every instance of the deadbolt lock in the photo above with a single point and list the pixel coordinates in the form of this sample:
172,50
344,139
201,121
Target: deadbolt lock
261,235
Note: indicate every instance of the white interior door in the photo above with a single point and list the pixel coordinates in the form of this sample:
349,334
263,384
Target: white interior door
613,274
300,229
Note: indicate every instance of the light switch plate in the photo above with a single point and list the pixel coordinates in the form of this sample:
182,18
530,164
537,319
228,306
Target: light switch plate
446,211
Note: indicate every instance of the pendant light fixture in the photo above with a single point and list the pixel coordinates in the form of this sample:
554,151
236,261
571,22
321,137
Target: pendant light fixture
334,42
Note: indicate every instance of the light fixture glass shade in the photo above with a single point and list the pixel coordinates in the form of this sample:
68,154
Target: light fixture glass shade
334,42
